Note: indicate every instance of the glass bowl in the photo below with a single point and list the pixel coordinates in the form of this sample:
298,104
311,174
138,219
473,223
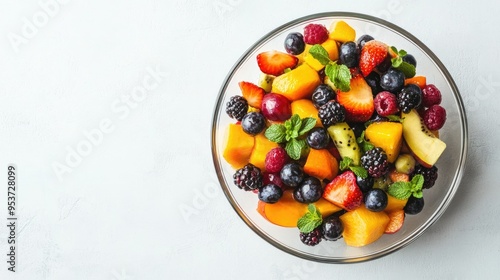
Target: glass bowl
451,163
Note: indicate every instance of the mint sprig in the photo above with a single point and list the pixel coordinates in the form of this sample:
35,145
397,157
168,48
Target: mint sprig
397,62
403,190
311,219
290,133
365,145
340,75
348,163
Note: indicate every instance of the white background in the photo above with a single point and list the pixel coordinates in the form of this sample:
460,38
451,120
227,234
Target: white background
116,213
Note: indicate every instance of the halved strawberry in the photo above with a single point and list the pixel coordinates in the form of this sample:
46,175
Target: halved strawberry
344,192
275,62
372,54
252,93
358,102
396,221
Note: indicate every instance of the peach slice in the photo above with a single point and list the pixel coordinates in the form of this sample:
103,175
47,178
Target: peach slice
238,147
362,226
286,212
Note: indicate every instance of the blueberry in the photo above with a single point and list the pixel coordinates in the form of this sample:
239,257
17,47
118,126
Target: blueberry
376,200
292,174
410,59
414,205
318,138
309,191
384,65
373,80
393,80
294,43
363,39
365,184
253,123
349,54
270,193
322,94
332,228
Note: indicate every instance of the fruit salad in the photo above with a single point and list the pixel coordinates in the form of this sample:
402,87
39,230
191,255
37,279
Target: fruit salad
338,137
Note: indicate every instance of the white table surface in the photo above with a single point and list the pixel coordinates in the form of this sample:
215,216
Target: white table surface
115,213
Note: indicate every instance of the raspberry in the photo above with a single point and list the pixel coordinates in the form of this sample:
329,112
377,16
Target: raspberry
275,160
435,117
430,175
331,113
386,103
315,34
375,162
431,95
312,238
248,178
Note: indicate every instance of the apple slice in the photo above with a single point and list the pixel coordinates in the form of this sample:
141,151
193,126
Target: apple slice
426,147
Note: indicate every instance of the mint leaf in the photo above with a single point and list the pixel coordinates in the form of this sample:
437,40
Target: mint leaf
276,133
343,81
408,69
296,122
394,118
307,124
418,194
396,61
417,182
400,190
365,145
359,171
294,148
345,163
393,48
311,219
402,53
319,53
331,70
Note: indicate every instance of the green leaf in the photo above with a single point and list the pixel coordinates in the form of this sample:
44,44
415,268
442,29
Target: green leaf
345,163
307,124
294,148
296,123
276,133
311,220
365,145
319,53
288,125
400,190
418,194
393,48
396,62
408,69
359,171
394,118
418,181
343,81
331,70
402,53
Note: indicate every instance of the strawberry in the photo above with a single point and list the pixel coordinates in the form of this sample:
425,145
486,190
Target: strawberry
358,102
372,54
344,192
275,62
252,93
396,221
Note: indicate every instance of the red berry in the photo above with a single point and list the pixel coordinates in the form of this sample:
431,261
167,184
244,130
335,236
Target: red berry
315,34
431,95
386,103
275,159
435,117
272,178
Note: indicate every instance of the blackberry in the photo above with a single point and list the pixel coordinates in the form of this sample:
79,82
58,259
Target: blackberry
430,175
375,162
321,95
409,97
331,113
237,107
312,238
248,177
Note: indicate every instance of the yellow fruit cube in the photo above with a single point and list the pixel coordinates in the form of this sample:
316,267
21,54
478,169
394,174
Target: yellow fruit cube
261,148
238,147
298,83
333,53
342,32
386,135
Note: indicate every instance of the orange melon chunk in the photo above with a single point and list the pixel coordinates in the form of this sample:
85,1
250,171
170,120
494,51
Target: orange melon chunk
342,32
321,164
386,135
239,146
394,204
333,53
362,226
305,109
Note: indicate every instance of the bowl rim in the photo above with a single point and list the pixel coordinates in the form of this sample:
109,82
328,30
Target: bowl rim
454,185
